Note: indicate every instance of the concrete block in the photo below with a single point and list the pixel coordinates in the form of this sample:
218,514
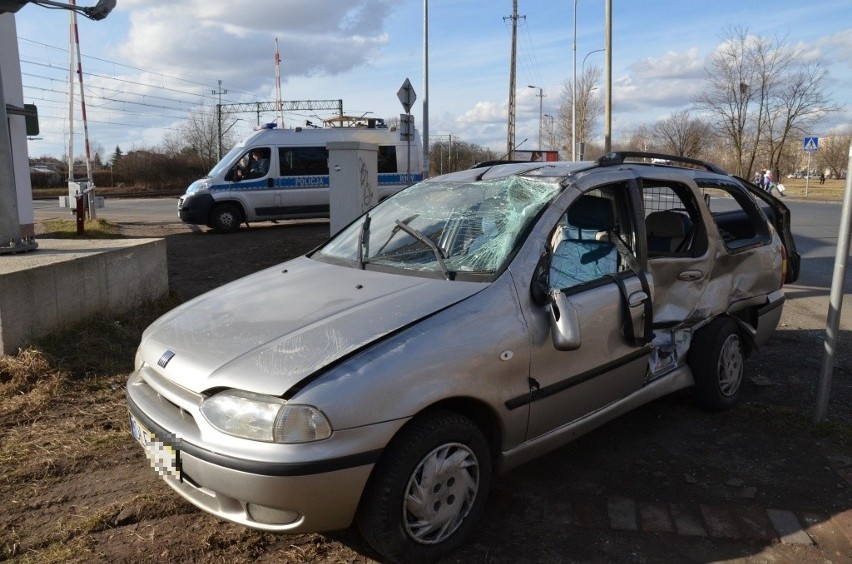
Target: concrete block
65,281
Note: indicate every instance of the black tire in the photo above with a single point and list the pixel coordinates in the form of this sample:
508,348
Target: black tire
450,500
717,360
226,218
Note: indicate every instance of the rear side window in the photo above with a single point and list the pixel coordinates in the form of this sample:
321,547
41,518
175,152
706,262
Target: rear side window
740,222
303,161
673,225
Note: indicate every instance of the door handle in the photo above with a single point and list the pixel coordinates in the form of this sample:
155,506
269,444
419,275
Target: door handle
690,275
270,183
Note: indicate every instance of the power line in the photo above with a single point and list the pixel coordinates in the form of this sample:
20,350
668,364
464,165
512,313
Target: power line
117,100
121,80
113,123
116,63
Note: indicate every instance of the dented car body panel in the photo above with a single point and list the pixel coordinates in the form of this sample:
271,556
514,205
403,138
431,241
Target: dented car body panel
535,300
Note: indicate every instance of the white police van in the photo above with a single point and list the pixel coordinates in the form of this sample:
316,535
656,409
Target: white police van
283,174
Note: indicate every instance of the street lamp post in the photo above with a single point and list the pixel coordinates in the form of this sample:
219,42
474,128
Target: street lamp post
580,146
550,142
540,110
583,66
574,91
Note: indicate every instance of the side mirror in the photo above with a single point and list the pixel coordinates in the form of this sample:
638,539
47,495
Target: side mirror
564,325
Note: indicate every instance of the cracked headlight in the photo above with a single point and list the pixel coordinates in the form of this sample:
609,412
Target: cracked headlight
264,418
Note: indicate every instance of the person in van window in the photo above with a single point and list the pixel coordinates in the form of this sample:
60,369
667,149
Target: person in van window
254,164
258,163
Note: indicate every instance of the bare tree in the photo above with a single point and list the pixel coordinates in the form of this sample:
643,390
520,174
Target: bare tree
759,92
834,152
799,104
681,135
197,138
730,79
453,155
589,108
642,139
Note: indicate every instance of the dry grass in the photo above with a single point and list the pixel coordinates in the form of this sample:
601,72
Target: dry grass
832,190
67,229
61,400
63,413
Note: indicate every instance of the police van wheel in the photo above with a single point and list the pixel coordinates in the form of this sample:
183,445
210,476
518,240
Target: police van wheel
225,218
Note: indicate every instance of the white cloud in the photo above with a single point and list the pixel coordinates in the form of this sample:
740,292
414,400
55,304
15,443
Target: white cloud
218,39
672,65
840,44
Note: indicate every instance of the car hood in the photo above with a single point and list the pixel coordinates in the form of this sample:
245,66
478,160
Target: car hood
266,332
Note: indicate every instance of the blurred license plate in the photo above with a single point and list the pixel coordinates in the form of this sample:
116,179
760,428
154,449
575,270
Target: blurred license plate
164,458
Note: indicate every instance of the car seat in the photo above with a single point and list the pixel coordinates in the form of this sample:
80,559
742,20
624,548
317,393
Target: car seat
667,231
585,252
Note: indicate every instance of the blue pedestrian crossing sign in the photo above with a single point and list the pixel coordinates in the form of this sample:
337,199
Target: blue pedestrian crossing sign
810,144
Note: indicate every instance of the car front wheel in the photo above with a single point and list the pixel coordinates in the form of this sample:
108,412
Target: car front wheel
428,490
226,218
717,359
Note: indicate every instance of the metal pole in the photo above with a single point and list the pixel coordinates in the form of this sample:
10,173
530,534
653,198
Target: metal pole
540,110
540,114
808,174
510,137
90,181
219,119
835,300
574,91
70,99
608,101
425,106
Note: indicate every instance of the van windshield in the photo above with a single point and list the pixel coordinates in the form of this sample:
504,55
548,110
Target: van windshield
222,165
445,228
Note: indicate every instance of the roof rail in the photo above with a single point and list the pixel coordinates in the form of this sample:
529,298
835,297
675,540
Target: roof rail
617,158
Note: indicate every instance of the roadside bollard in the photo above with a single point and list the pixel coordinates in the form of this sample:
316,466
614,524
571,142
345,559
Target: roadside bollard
81,213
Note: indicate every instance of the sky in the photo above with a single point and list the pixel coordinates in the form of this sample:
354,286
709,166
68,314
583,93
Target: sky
152,62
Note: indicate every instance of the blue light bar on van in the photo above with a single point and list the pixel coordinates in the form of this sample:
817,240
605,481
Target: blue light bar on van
270,125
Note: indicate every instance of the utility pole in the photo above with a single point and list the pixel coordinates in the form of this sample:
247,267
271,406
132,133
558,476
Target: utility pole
540,111
219,118
608,79
425,103
510,140
574,90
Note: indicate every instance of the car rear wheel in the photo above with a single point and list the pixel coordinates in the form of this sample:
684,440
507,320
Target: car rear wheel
428,489
226,218
717,359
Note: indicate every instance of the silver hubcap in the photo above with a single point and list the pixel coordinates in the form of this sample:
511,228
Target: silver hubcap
440,493
227,219
730,366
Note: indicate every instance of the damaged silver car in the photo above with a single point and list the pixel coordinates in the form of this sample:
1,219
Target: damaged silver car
460,328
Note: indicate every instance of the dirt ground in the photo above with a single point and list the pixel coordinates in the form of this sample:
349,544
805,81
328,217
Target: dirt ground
98,500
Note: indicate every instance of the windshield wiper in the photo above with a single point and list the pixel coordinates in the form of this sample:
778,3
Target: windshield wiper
439,253
394,231
364,242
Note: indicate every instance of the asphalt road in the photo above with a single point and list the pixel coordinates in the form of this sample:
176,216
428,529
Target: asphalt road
156,211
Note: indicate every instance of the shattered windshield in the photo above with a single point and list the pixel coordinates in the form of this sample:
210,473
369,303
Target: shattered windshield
445,227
